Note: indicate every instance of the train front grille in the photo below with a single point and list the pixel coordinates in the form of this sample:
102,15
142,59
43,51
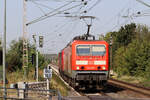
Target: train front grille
91,76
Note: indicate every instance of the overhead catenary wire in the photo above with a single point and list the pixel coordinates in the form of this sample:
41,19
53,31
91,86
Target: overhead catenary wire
83,6
68,28
54,31
96,3
117,17
66,33
47,15
57,0
45,6
139,13
142,2
39,7
57,29
51,38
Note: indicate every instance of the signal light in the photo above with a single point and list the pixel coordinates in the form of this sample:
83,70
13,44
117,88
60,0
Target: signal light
41,41
33,59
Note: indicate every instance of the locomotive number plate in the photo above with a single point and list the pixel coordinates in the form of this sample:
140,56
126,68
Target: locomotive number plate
90,68
91,62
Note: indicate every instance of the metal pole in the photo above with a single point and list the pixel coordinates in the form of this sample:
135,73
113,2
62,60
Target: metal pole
48,87
4,52
36,49
25,45
111,58
111,55
37,76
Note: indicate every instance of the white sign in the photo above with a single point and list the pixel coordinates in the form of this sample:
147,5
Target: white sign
47,73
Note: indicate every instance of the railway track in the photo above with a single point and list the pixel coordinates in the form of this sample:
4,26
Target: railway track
129,86
90,95
85,94
113,87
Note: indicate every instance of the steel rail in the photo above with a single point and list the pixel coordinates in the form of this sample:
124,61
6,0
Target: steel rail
132,87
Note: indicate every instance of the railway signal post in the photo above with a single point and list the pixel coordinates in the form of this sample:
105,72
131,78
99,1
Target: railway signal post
36,49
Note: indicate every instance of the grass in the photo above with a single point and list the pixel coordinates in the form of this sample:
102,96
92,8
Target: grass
135,80
18,76
57,84
146,83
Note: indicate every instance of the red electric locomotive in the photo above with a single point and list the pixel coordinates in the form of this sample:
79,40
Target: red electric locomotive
85,63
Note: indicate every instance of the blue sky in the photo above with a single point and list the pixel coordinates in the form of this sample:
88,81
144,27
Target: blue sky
59,30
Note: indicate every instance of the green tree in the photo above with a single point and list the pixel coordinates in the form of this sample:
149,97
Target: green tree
134,59
126,34
14,55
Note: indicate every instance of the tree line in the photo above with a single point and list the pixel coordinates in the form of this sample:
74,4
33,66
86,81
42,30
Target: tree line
131,50
14,56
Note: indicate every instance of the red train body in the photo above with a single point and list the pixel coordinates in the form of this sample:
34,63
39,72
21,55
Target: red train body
85,63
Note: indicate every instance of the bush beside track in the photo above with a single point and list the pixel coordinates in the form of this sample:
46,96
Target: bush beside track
58,84
131,53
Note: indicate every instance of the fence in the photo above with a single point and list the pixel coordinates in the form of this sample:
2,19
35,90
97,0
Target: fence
32,91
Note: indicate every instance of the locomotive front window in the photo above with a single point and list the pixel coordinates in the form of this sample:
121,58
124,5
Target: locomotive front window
98,50
83,50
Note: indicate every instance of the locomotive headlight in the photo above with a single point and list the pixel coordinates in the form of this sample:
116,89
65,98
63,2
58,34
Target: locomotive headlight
103,67
78,67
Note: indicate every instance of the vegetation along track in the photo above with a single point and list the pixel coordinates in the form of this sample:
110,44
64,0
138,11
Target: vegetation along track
56,71
129,86
112,87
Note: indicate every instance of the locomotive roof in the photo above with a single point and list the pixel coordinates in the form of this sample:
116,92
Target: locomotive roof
82,41
86,41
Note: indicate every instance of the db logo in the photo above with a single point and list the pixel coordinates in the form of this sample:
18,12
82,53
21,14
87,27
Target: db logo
90,62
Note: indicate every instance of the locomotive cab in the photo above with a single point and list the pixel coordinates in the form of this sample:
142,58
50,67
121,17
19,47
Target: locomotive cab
85,63
90,65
